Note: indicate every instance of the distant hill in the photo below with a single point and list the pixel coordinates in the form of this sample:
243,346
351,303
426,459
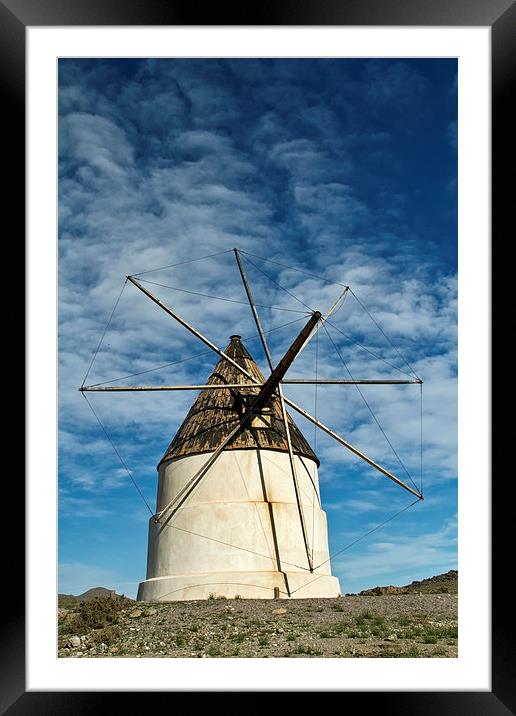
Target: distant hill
96,592
65,600
440,584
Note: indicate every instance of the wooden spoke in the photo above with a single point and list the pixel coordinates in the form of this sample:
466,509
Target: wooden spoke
283,411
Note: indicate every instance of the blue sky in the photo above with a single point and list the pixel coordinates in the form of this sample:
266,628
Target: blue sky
345,169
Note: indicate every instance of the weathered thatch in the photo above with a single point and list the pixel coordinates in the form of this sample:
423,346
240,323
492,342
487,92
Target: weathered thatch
216,413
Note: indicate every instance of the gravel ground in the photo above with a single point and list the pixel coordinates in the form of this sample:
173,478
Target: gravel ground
408,625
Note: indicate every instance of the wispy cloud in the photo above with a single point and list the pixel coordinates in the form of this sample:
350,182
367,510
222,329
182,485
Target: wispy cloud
399,561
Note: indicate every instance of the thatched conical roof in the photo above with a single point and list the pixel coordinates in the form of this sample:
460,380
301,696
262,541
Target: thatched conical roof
216,413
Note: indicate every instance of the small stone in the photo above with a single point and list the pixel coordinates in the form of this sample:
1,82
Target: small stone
281,610
151,612
114,649
74,642
135,613
391,637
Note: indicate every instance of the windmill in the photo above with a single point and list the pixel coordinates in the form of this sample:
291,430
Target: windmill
238,501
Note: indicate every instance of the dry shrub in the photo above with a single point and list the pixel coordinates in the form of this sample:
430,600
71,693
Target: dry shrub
97,613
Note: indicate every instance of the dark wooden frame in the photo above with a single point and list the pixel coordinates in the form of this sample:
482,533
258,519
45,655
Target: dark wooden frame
500,15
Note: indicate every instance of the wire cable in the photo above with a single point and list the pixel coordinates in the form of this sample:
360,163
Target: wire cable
315,431
371,411
229,544
280,286
182,263
196,355
384,334
220,298
293,268
366,534
368,350
118,454
254,503
421,435
104,333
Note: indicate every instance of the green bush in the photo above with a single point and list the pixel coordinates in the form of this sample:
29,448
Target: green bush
108,635
366,614
97,613
307,649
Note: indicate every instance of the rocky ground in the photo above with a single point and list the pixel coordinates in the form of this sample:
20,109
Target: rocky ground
388,625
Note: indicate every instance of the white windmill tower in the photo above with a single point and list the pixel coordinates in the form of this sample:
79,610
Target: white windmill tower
238,502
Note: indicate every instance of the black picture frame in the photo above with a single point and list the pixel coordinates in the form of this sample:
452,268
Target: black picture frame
500,16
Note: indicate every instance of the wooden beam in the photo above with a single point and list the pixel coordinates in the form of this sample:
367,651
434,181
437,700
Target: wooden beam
253,309
331,310
350,447
271,366
143,388
273,381
185,492
283,411
184,323
222,386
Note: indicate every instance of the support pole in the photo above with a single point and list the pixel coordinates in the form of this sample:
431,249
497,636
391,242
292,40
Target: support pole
350,447
333,308
155,388
184,323
283,411
273,381
185,492
222,386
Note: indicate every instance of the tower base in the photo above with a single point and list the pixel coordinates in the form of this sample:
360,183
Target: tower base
247,585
